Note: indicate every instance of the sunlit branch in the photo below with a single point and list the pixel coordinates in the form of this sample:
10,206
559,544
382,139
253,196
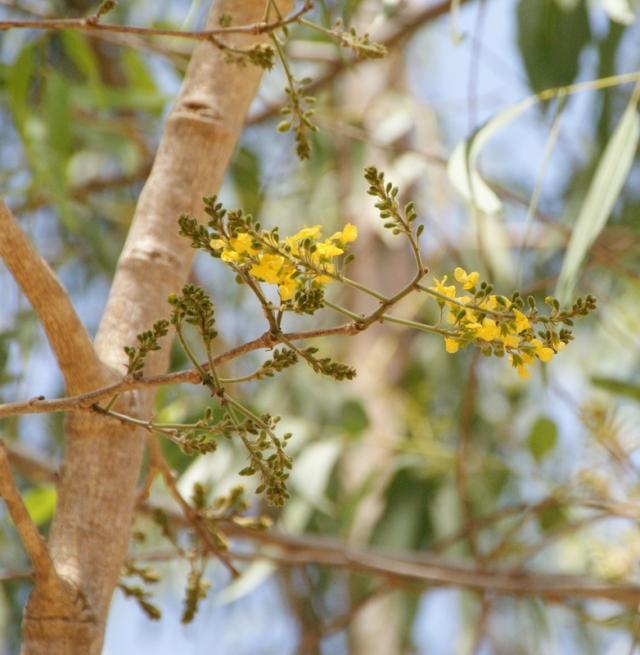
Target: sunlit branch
31,539
91,25
69,340
40,405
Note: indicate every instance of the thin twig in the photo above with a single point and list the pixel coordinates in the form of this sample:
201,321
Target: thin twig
427,569
158,460
40,405
462,482
404,31
91,25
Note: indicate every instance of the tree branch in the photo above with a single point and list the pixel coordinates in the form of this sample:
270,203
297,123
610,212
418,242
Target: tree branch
90,24
30,465
31,539
67,336
425,569
40,405
405,30
97,492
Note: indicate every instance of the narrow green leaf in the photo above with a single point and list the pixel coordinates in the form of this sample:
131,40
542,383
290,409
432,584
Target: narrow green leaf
57,114
19,77
618,387
245,175
77,49
137,71
462,169
40,503
463,163
551,39
608,180
542,438
353,418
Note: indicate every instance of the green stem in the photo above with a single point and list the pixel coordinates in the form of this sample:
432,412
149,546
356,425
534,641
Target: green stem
242,378
345,312
265,304
189,352
112,402
169,430
319,28
361,287
248,413
454,301
423,327
283,61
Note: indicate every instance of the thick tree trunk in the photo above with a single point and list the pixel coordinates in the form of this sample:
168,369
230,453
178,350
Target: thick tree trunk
90,531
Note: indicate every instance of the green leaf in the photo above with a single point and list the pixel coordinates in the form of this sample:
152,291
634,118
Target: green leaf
608,180
40,503
18,81
552,518
137,72
57,113
121,98
463,163
245,175
56,146
542,438
406,522
353,418
551,38
77,49
618,387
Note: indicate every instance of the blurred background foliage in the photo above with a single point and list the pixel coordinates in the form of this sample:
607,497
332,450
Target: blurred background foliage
424,451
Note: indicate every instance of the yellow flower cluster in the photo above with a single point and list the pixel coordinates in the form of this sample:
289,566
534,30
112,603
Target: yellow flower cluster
491,322
280,262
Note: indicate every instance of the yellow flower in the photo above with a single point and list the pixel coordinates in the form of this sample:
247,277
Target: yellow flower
543,353
489,303
229,255
451,345
522,322
526,358
307,233
268,269
468,281
440,287
301,235
242,243
217,244
325,279
511,340
470,314
326,249
523,372
349,233
287,289
489,330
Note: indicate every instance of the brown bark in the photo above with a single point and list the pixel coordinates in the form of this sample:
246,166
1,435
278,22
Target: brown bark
67,337
90,531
